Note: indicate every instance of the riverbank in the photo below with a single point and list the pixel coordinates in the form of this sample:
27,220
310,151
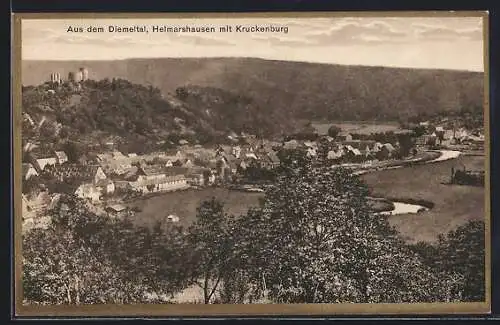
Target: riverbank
423,157
444,155
395,206
453,204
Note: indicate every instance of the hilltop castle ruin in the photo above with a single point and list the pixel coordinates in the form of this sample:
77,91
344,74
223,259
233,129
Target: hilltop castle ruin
82,74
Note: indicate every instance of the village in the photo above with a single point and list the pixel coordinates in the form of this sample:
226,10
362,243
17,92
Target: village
109,179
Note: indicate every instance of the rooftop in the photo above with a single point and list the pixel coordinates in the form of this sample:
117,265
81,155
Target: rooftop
117,207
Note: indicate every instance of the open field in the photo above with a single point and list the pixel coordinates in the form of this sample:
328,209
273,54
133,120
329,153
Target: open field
357,127
453,204
184,204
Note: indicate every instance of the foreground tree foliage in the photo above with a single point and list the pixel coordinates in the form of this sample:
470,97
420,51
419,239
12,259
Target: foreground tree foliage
210,241
460,254
314,239
83,258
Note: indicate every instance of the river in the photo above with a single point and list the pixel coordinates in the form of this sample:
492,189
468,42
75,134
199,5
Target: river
445,155
404,208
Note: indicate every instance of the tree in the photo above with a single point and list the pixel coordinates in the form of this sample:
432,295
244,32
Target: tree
84,258
46,132
440,136
460,256
206,176
323,149
210,242
314,239
405,144
181,93
73,151
333,131
419,130
59,268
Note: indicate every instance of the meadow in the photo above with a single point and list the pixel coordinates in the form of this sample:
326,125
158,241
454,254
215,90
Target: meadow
184,203
357,127
453,204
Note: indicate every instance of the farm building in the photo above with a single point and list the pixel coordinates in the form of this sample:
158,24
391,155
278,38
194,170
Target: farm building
61,157
467,177
179,155
386,151
188,164
167,183
122,185
310,144
449,134
29,171
117,155
426,139
39,202
335,155
106,186
117,167
41,163
241,165
88,191
195,179
236,151
359,144
150,172
155,179
76,173
116,210
271,160
376,147
353,154
251,155
173,218
103,157
311,152
292,144
344,137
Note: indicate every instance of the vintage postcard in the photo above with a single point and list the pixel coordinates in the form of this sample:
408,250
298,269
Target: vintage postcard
251,164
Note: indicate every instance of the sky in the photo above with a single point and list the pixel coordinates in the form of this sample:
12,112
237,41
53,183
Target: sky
414,42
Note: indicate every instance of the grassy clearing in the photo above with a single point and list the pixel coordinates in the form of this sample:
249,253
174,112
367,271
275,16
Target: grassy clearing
357,127
453,204
184,204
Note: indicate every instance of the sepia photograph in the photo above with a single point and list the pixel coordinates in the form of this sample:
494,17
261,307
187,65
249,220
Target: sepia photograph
240,164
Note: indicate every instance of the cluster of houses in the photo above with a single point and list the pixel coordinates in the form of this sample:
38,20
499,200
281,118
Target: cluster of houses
103,178
101,174
347,150
443,135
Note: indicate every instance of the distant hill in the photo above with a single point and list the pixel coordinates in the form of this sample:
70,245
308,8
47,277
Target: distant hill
293,90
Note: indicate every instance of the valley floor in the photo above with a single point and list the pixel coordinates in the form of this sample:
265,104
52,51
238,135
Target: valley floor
453,204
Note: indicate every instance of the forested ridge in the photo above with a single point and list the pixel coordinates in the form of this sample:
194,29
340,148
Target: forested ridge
296,89
141,115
